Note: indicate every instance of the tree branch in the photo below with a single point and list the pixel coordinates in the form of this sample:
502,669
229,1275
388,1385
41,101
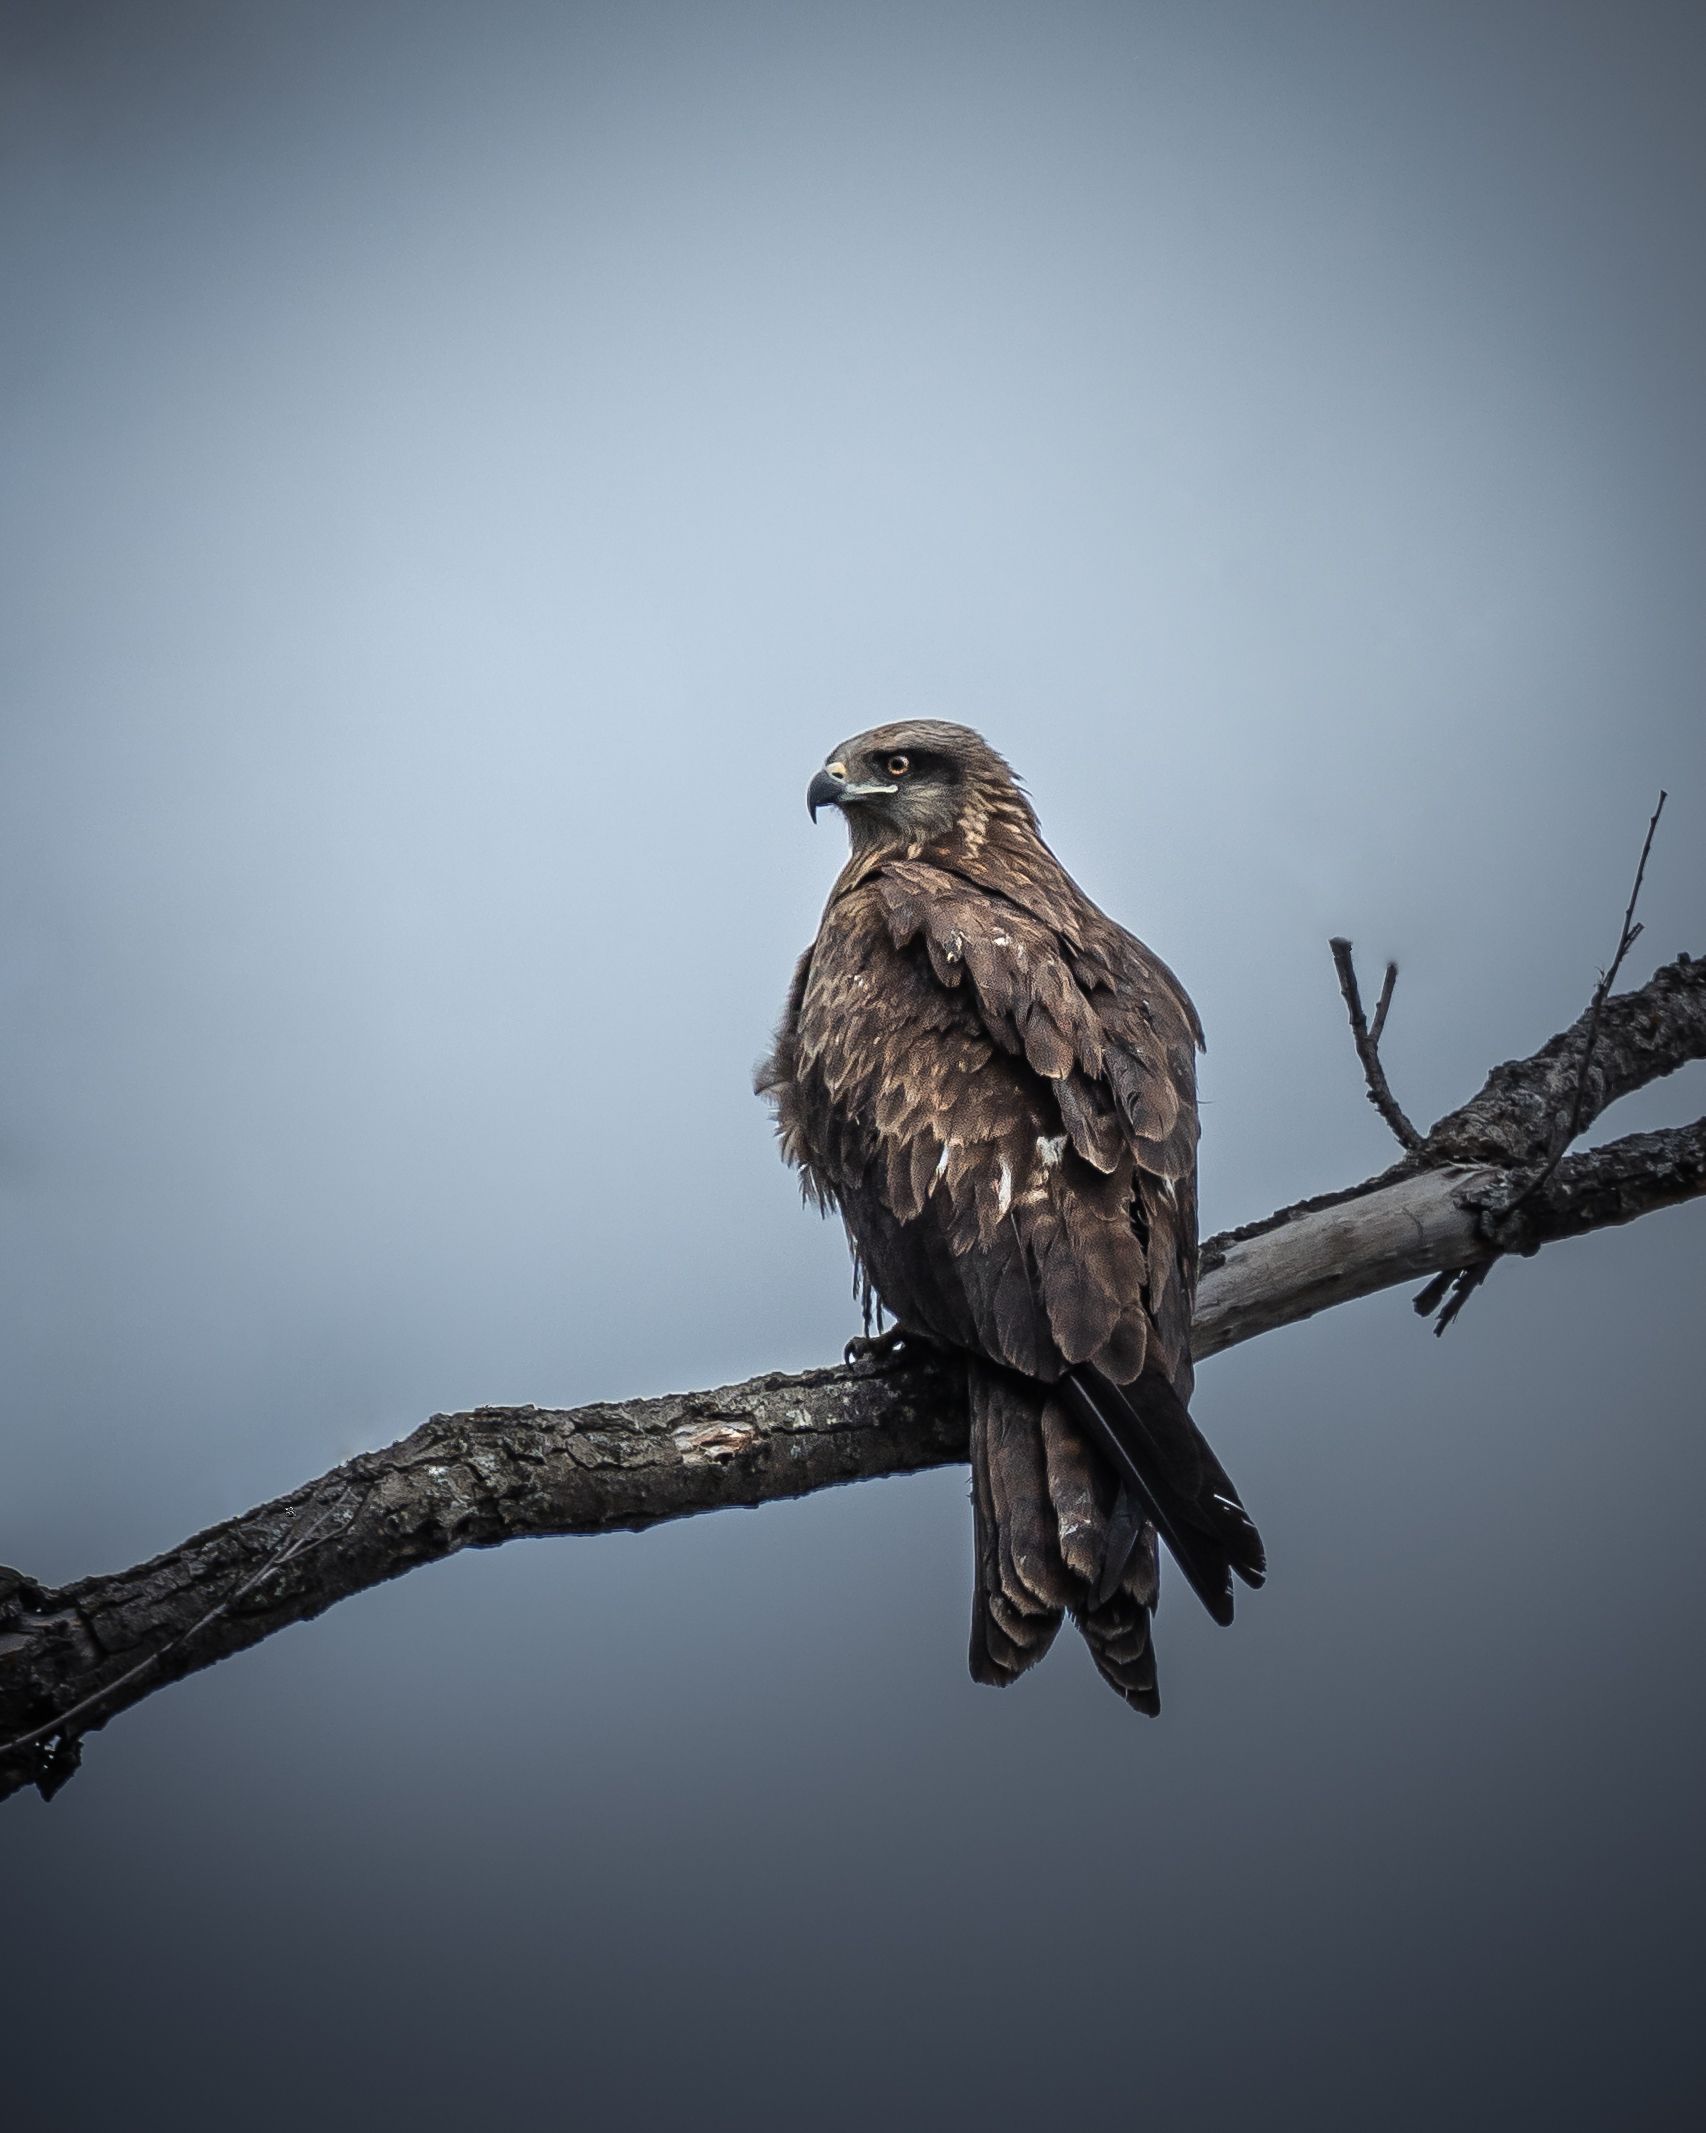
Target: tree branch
1455,1287
73,1658
1627,935
1522,1109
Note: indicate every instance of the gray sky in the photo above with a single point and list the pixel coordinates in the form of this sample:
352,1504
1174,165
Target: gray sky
462,467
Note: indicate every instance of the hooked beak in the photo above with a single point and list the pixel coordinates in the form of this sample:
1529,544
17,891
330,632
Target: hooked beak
831,789
825,790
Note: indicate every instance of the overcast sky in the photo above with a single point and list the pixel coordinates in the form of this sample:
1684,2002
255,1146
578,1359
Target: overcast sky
461,467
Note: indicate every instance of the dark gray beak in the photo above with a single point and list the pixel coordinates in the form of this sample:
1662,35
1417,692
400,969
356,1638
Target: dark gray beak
824,791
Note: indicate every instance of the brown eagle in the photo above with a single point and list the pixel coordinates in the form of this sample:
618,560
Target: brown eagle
996,1086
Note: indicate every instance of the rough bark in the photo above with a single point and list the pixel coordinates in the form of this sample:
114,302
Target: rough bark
1517,1115
1476,1187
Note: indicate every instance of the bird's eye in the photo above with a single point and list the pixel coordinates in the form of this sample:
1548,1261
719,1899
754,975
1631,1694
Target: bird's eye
899,765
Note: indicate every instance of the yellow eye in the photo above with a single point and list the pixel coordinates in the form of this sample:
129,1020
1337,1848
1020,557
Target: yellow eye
899,765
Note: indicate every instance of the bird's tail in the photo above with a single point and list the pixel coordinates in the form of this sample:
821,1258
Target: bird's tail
1163,1461
1056,1534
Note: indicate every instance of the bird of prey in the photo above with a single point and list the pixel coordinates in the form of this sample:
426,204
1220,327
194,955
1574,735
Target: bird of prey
995,1085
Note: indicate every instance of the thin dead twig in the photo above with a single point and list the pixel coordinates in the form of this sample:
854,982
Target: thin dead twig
1456,1285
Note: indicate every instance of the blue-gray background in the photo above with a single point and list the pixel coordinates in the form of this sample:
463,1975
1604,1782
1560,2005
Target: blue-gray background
463,466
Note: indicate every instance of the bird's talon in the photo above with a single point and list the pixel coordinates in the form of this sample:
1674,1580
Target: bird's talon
875,1347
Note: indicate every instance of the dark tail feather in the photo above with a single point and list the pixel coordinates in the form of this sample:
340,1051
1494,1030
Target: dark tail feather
1022,1588
1160,1456
1118,1634
1126,1528
1049,1518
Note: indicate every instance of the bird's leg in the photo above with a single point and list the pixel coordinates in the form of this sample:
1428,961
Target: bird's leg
884,1347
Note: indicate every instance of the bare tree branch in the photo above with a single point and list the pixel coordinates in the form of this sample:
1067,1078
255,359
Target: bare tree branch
1522,1109
1628,934
1457,1286
73,1658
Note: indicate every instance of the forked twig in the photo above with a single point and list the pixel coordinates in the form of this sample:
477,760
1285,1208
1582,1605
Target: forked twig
1367,1042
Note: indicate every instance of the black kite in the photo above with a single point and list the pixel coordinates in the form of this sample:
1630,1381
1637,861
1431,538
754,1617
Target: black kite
996,1086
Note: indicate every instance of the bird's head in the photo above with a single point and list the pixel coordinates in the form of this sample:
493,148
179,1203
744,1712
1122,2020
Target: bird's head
915,782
